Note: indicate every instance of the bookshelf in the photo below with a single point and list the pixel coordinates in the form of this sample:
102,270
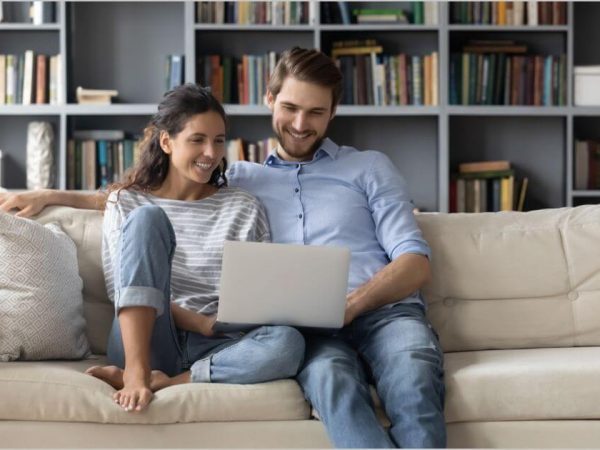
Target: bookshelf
124,46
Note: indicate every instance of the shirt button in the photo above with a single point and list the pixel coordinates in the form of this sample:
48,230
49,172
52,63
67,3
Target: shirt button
299,216
296,190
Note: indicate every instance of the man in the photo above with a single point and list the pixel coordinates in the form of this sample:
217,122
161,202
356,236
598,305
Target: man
318,193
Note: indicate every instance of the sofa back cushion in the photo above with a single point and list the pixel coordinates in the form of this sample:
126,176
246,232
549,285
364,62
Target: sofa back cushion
500,280
84,227
515,280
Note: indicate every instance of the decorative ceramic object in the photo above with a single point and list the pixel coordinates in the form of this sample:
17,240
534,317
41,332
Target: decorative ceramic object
40,158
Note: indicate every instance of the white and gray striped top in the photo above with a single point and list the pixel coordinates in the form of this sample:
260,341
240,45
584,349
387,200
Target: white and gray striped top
201,227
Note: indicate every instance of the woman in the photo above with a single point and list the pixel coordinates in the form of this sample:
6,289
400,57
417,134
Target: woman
163,235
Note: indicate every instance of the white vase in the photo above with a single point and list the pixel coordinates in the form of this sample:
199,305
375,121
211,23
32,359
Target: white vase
40,157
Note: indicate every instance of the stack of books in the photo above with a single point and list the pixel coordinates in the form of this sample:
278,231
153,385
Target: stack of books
374,78
30,78
418,12
253,12
237,80
253,151
95,96
36,12
379,16
486,186
98,158
500,72
425,13
501,12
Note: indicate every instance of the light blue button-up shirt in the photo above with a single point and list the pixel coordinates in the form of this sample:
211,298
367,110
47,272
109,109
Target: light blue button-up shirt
343,197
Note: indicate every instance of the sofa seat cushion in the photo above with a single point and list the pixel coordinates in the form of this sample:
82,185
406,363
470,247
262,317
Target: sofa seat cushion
527,384
60,391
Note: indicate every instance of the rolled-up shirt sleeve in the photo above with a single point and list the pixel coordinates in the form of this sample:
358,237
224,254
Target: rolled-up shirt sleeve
392,210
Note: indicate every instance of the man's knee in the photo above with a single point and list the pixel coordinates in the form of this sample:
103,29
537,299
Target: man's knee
331,371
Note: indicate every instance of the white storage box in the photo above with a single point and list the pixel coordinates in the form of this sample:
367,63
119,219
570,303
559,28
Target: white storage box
587,85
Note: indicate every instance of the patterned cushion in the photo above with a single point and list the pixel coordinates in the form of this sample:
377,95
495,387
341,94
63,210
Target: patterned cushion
40,293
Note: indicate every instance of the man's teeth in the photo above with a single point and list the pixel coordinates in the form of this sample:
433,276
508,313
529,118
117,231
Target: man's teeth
299,136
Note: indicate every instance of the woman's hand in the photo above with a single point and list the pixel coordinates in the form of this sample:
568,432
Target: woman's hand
27,204
191,321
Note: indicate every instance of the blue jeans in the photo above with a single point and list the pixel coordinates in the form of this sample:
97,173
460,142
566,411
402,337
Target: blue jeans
397,350
142,277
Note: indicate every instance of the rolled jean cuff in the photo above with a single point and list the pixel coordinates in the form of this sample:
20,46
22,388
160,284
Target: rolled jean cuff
141,296
200,371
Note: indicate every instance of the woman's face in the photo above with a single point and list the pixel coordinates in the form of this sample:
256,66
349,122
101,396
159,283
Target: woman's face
197,150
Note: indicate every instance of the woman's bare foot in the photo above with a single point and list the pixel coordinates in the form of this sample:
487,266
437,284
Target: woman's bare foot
160,380
112,375
135,394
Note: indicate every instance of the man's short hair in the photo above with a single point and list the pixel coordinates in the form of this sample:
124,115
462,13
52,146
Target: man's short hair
308,65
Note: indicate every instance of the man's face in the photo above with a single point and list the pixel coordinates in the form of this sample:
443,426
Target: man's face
301,114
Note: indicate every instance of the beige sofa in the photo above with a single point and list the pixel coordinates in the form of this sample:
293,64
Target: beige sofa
515,298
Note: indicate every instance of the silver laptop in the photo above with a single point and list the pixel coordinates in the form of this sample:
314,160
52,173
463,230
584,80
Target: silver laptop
282,284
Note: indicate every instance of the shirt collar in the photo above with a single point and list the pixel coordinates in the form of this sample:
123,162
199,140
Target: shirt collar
328,147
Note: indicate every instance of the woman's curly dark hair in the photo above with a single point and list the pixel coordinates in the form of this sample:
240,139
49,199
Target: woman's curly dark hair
176,108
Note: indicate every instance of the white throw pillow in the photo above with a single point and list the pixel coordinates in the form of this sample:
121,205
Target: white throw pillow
41,305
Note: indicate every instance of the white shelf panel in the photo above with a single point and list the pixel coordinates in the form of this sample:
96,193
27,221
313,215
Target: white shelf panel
512,28
111,110
247,110
586,110
475,110
23,110
235,27
378,27
368,110
591,193
29,27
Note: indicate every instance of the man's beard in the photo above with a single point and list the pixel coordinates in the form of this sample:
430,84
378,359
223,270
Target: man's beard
309,153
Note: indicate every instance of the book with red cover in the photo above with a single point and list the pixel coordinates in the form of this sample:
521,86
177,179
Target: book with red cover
41,79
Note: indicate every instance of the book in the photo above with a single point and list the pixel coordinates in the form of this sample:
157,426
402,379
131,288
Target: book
175,71
418,12
2,79
522,192
28,77
95,96
491,48
365,50
41,79
380,18
99,135
344,12
487,174
20,60
581,165
379,15
483,166
506,193
53,80
10,79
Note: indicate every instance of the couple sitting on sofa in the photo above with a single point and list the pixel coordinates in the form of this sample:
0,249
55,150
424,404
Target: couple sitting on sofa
163,233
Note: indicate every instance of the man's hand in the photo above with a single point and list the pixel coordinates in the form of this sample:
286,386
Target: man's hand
27,204
351,309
